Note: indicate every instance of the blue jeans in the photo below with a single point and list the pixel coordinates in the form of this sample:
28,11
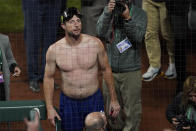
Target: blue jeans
41,20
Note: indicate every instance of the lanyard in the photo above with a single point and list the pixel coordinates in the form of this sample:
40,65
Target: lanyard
130,12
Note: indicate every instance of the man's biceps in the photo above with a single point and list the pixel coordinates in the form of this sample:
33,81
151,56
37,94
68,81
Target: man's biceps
49,71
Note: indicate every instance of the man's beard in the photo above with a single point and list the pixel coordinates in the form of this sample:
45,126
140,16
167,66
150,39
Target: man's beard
76,37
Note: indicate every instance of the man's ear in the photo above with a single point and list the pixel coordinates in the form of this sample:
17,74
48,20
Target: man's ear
63,26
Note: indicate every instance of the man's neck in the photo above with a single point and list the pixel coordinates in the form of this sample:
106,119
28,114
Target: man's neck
73,41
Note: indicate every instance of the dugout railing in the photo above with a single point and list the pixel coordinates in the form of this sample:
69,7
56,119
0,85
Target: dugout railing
16,111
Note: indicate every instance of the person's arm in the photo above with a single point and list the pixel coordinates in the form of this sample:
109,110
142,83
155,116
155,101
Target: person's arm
135,26
104,21
13,66
49,84
107,75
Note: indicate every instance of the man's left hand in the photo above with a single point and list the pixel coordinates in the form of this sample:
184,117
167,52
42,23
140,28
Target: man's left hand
125,14
114,109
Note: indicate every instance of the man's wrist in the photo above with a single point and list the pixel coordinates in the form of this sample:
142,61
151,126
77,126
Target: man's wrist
128,18
113,98
49,107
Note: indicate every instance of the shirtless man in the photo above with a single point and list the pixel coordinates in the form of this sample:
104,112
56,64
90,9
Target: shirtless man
77,56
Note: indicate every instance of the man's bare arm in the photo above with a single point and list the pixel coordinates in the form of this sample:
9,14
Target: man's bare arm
49,83
107,75
49,77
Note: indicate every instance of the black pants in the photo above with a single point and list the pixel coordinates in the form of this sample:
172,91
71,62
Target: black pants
180,62
2,92
180,27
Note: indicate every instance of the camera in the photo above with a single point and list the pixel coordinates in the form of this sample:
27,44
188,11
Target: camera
119,7
117,13
183,122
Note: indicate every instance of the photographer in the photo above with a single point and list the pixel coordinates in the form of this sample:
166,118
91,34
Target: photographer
123,26
182,111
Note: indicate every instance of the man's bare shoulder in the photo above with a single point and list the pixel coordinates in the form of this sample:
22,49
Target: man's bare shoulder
92,40
57,45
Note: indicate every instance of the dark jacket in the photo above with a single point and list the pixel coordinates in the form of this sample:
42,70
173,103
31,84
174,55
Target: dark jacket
134,30
175,109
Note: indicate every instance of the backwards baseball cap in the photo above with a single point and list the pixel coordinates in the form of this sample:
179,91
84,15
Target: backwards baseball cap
69,13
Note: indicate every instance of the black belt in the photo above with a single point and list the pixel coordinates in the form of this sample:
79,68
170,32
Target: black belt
119,71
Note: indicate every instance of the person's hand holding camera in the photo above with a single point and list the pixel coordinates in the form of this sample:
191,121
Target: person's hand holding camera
125,14
111,6
176,123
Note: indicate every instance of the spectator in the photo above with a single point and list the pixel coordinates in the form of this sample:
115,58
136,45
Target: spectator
95,121
183,107
77,56
158,20
178,10
41,19
7,64
123,26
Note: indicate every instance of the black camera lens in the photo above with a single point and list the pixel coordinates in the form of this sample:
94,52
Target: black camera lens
117,13
119,7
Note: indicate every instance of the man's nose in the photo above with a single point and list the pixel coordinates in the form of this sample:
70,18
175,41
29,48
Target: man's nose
76,23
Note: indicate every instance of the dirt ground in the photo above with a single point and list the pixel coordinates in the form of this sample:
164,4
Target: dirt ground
155,95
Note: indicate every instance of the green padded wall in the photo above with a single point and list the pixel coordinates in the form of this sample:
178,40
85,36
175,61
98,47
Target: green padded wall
18,110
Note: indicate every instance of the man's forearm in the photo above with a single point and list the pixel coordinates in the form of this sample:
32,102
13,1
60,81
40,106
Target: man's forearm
48,92
103,23
110,84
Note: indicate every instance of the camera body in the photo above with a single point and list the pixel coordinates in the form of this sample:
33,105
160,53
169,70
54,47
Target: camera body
183,122
119,7
117,13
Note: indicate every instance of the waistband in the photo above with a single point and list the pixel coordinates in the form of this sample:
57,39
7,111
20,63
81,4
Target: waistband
89,97
119,71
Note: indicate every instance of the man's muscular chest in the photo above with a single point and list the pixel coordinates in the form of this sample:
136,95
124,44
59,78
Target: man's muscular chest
69,59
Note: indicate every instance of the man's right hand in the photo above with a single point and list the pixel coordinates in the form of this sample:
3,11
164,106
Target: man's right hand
51,116
175,121
111,6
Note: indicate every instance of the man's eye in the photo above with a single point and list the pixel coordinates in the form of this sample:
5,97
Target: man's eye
71,22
